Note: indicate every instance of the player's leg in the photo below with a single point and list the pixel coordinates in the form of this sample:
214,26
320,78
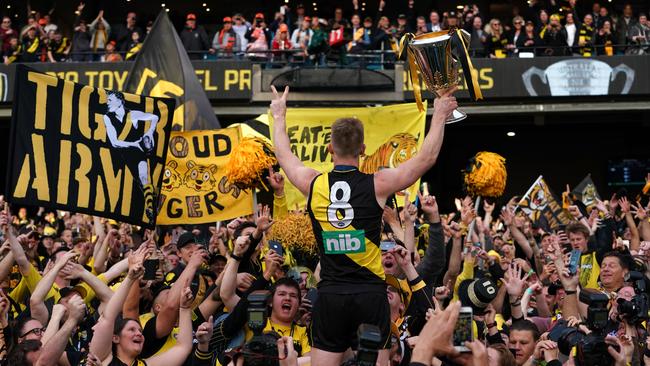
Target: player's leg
320,357
331,333
373,308
147,188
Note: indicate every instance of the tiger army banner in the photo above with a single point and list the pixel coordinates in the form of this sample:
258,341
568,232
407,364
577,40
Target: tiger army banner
88,150
194,187
393,134
542,207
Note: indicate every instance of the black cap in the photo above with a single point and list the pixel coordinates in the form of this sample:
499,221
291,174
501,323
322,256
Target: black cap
451,14
553,287
65,291
401,16
185,239
477,293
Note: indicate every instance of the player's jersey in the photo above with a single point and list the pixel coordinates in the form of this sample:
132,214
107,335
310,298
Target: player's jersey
346,219
125,129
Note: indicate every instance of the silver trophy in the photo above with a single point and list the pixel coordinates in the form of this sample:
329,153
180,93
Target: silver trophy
432,55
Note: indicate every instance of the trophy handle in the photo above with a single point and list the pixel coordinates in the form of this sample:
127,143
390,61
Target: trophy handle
528,76
629,76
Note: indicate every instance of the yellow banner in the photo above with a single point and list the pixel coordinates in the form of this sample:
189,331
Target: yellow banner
392,135
194,189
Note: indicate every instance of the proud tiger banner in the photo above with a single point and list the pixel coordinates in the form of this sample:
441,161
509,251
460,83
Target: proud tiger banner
393,134
194,189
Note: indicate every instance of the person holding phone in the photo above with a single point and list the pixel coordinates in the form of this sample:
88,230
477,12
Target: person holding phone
346,207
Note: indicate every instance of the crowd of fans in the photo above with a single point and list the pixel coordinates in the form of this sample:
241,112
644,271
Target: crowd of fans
78,289
552,28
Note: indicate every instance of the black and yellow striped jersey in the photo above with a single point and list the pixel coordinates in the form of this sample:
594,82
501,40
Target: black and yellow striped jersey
346,219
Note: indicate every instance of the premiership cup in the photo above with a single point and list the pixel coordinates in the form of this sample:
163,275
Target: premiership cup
432,55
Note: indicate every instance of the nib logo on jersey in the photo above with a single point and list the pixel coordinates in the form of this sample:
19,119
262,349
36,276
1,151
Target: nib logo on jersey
344,242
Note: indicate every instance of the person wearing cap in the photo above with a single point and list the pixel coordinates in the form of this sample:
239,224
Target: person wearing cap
226,41
406,22
194,38
450,21
302,35
122,33
530,39
300,16
554,37
187,248
259,37
281,40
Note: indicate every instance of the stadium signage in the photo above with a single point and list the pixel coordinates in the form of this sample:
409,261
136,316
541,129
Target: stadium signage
219,79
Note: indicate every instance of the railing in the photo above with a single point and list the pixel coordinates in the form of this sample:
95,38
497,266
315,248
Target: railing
374,58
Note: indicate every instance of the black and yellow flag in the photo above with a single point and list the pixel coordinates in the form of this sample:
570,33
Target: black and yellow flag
586,192
163,69
88,150
540,204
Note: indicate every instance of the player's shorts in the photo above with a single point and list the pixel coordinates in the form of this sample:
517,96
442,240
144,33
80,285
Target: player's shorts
336,318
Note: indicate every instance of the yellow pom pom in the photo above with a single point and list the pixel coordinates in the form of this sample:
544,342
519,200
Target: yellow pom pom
486,175
249,162
295,232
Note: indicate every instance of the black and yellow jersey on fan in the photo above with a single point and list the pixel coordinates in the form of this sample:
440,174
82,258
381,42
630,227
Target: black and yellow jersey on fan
346,219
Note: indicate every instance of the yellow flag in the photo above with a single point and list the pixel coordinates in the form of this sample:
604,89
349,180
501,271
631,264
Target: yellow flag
194,189
393,134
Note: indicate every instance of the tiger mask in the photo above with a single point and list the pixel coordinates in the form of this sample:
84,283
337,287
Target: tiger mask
171,179
398,149
200,177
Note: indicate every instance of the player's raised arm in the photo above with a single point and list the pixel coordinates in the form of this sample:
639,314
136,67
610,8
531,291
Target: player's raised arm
298,174
389,181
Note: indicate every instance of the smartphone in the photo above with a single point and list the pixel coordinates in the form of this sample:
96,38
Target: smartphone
574,262
276,246
463,329
312,295
386,245
150,269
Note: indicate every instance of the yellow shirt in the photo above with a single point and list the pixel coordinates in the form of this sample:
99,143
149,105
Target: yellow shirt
28,283
171,338
298,333
466,274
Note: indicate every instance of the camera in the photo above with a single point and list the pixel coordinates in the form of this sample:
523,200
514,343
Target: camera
591,349
369,343
262,348
258,311
636,310
597,312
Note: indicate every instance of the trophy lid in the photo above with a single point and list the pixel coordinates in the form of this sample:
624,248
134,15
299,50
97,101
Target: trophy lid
429,40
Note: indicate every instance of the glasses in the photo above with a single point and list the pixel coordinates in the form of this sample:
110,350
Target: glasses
519,22
6,22
36,331
496,23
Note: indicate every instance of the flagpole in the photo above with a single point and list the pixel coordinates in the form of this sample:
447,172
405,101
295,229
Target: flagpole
528,192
